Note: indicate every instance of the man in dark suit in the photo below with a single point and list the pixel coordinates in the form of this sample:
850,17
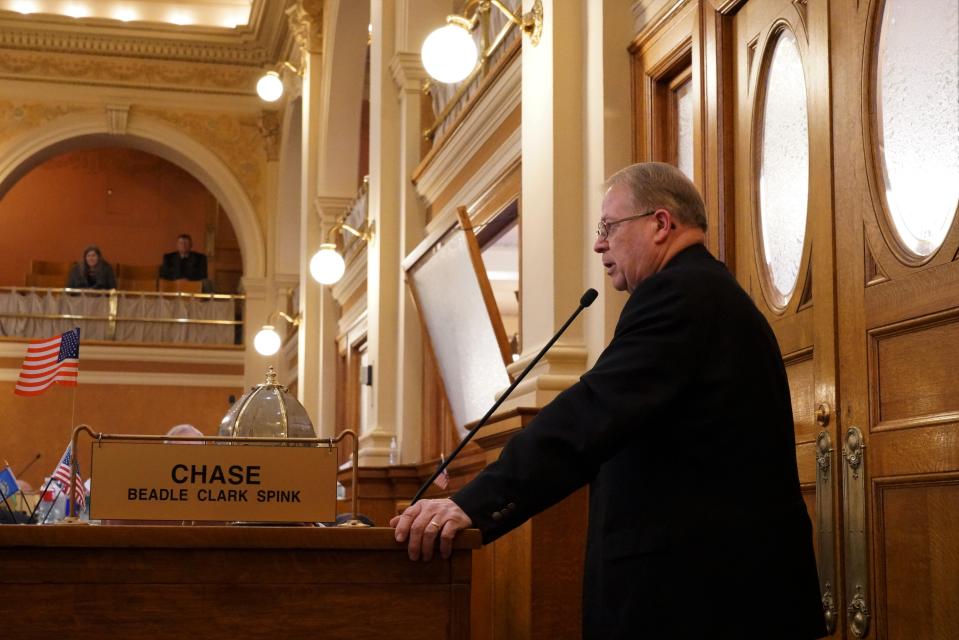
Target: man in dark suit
682,429
184,263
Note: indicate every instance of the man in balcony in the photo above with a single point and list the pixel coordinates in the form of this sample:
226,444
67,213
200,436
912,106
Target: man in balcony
184,263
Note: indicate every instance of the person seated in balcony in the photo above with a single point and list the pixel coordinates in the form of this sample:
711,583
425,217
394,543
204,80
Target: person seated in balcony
93,272
184,263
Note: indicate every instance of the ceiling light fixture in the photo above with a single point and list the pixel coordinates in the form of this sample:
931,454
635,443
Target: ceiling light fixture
125,14
26,6
76,10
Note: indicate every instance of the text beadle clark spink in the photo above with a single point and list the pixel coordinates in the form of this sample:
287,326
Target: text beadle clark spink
211,495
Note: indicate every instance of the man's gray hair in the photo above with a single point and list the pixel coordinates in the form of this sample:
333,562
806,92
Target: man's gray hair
657,184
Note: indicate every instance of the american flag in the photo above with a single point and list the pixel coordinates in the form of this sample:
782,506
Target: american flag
48,361
62,476
442,480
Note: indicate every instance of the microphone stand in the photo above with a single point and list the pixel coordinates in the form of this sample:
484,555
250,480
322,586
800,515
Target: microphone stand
586,300
29,464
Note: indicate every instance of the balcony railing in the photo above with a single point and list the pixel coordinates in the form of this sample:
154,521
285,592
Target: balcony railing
122,316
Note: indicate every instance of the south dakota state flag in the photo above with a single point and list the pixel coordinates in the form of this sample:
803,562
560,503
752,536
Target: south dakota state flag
8,484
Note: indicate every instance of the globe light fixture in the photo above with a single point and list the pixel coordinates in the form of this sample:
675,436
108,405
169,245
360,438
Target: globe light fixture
449,53
327,265
270,86
267,341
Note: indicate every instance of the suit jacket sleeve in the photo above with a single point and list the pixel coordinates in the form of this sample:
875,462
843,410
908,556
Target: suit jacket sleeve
167,269
201,266
636,380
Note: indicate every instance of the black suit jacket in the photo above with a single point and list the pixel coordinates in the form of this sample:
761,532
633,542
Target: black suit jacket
193,267
683,429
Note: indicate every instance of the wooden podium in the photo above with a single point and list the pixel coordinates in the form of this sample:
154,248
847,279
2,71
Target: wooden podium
75,581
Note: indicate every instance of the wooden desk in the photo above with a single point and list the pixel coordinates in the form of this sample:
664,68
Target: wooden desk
64,581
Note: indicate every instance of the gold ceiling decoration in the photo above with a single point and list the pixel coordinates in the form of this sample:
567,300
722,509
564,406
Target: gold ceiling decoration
262,40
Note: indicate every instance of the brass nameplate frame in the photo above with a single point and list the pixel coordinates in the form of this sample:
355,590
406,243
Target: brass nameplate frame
218,481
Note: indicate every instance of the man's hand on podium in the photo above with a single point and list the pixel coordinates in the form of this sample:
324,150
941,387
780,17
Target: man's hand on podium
421,523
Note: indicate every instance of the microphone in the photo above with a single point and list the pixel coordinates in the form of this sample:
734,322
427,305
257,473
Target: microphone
30,464
586,300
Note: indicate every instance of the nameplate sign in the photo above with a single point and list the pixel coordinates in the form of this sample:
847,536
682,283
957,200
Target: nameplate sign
251,483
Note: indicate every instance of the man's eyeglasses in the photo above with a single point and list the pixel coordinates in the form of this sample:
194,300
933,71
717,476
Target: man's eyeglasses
604,226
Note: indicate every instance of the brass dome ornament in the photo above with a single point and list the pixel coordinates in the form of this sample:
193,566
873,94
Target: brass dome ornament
267,410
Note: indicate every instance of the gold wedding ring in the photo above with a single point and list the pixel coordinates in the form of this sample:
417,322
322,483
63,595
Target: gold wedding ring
433,523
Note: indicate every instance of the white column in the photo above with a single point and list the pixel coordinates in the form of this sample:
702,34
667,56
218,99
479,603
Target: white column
256,310
383,257
311,236
327,210
608,129
408,73
552,201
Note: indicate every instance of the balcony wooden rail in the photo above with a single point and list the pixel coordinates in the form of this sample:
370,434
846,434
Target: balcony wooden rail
115,308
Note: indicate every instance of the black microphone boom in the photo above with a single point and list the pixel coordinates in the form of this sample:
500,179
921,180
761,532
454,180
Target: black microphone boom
30,464
586,300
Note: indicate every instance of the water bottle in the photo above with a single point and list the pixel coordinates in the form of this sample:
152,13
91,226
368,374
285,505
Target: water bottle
394,451
52,507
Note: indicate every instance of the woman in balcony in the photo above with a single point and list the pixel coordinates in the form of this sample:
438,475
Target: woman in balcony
93,272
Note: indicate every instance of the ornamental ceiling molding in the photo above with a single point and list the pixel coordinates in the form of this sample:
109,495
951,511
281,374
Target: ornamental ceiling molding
305,22
128,72
256,44
16,117
236,139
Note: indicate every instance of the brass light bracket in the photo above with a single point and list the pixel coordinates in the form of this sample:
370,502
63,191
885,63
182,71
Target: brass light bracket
288,65
293,320
530,22
367,232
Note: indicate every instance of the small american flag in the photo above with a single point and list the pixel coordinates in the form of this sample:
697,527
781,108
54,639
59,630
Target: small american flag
62,476
48,361
442,480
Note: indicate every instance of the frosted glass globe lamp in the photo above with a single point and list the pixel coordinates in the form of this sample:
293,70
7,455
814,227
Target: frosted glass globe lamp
327,265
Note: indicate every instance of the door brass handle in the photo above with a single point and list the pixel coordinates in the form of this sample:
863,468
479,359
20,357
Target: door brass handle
854,508
825,528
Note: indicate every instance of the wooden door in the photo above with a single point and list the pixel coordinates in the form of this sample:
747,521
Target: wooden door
898,313
782,247
871,304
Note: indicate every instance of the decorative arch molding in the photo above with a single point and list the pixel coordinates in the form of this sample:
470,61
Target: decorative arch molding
20,154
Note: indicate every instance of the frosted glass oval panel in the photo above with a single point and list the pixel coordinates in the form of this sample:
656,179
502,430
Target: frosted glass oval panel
784,166
918,118
684,129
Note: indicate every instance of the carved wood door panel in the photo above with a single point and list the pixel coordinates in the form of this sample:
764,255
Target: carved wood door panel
783,234
896,157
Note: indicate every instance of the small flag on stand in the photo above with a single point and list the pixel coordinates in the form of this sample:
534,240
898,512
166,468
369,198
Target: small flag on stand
61,475
8,483
443,480
55,360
